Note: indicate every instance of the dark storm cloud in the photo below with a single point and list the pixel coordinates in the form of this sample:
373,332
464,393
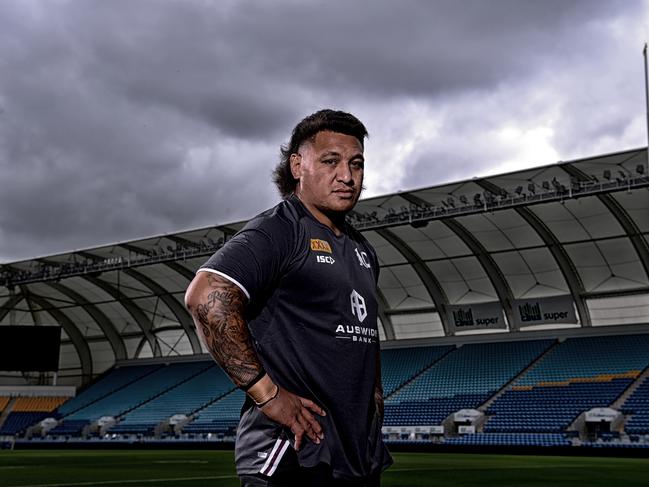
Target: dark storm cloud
417,47
125,119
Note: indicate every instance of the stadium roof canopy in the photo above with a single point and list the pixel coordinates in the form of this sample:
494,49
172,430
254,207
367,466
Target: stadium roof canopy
576,232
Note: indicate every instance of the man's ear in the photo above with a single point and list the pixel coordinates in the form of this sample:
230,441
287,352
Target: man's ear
296,165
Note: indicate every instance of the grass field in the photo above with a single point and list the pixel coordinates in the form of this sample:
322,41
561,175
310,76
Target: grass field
59,468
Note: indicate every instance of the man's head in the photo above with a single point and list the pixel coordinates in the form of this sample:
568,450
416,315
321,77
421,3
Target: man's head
304,133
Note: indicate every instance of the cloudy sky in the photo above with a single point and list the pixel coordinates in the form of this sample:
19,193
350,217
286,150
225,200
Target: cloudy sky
124,119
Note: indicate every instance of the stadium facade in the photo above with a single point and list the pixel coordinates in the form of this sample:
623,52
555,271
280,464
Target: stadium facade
540,258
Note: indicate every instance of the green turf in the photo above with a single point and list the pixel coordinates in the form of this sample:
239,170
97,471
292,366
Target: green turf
215,468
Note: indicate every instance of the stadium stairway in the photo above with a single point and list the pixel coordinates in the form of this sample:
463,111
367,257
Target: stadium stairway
220,417
502,391
619,402
6,410
464,379
26,411
415,372
4,401
197,411
168,389
636,409
108,383
185,397
132,394
577,375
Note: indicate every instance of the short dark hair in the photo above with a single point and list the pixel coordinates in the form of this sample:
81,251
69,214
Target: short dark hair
332,120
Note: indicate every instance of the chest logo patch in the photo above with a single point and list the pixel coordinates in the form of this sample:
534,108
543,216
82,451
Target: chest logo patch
320,245
358,305
362,258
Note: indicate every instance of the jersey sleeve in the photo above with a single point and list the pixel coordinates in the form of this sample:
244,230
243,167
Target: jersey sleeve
255,257
375,264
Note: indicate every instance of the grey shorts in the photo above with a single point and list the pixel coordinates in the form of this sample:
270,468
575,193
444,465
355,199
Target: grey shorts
319,476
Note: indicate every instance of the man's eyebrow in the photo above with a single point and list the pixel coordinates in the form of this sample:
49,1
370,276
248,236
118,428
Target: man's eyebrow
330,154
337,154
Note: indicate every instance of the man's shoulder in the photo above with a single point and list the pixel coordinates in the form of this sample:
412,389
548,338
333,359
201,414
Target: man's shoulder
355,235
284,215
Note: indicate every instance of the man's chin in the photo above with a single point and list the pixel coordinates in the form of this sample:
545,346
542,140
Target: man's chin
344,205
340,208
347,200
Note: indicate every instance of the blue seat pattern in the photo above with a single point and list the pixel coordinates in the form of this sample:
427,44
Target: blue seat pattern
399,365
464,378
637,405
577,375
186,398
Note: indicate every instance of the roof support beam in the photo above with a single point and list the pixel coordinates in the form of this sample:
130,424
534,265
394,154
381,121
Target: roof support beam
139,317
430,282
10,304
498,281
106,325
77,338
561,257
178,310
626,222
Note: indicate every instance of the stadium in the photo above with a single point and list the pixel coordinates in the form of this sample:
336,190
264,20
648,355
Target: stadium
514,317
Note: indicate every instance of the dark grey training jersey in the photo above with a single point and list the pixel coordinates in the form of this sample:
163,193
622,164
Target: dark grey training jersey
312,314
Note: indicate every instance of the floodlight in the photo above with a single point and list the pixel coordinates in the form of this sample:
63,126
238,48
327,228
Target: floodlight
419,224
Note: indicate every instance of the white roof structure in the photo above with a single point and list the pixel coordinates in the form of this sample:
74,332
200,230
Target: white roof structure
570,234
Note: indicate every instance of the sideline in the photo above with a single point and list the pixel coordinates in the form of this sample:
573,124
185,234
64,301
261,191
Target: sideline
120,482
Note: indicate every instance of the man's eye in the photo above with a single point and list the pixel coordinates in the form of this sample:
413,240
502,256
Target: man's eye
329,161
357,164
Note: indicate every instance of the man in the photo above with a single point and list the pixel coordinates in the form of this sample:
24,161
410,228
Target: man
288,308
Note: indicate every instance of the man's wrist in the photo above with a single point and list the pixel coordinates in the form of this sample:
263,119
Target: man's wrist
267,400
263,390
257,378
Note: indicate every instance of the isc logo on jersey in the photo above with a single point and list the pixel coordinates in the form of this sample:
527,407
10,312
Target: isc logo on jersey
324,259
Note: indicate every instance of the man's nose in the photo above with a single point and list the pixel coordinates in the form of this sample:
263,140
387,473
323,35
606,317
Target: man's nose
344,173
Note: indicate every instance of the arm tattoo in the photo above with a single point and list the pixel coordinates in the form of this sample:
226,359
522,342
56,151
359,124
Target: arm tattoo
219,318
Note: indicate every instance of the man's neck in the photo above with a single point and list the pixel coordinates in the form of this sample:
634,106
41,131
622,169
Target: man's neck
335,221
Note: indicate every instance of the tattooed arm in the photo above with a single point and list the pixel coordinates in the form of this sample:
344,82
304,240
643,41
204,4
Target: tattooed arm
219,320
218,309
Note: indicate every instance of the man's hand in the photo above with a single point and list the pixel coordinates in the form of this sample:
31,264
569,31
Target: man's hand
378,400
217,307
295,412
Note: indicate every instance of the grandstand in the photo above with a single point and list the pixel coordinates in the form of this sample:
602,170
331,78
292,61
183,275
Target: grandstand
514,312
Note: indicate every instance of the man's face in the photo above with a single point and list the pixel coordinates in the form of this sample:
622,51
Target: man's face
330,172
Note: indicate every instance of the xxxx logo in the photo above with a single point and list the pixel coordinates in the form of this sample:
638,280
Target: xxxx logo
318,245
